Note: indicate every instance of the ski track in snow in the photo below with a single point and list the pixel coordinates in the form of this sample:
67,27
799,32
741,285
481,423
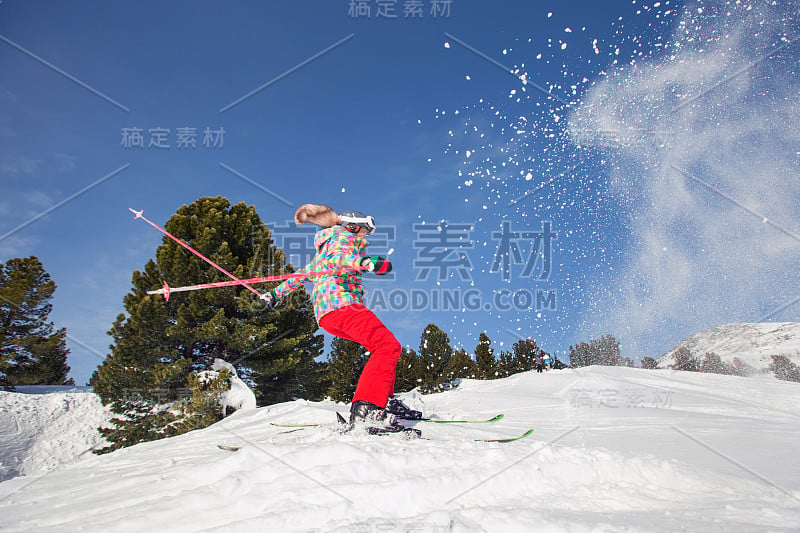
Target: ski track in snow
715,456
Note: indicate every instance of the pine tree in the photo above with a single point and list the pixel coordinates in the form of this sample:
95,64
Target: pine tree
484,356
435,354
684,360
317,381
525,354
784,368
461,365
158,345
713,364
31,353
605,351
649,363
345,364
506,365
409,371
580,355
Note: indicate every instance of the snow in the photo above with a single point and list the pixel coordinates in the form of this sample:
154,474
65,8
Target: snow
614,449
239,396
754,344
44,428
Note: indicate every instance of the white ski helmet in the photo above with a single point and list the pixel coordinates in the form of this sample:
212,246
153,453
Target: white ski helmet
355,220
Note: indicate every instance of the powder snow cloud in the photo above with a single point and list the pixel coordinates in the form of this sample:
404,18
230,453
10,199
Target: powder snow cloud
703,144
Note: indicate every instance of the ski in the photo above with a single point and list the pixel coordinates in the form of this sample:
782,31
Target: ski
236,448
342,424
448,421
432,420
507,439
295,425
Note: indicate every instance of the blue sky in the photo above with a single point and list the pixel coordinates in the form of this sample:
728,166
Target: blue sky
481,115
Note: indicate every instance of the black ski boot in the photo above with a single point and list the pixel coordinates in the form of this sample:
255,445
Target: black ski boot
401,410
377,420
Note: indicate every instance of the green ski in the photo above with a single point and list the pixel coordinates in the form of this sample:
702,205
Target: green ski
508,439
433,420
478,421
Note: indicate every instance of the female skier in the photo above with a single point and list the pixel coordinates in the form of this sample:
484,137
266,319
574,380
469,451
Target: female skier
339,309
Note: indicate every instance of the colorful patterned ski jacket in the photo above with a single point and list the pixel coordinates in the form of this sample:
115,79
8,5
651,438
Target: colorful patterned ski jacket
337,249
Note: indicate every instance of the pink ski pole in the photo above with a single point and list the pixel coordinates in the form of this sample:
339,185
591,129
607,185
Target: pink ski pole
166,290
195,252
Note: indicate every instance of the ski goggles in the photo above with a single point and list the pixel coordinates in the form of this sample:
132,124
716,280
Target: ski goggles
367,222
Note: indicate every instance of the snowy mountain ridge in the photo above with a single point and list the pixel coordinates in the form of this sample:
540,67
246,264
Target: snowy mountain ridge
752,343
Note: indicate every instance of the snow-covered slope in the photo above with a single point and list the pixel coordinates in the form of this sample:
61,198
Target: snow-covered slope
44,428
754,344
614,449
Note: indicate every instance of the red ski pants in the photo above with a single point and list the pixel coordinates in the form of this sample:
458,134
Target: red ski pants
357,323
